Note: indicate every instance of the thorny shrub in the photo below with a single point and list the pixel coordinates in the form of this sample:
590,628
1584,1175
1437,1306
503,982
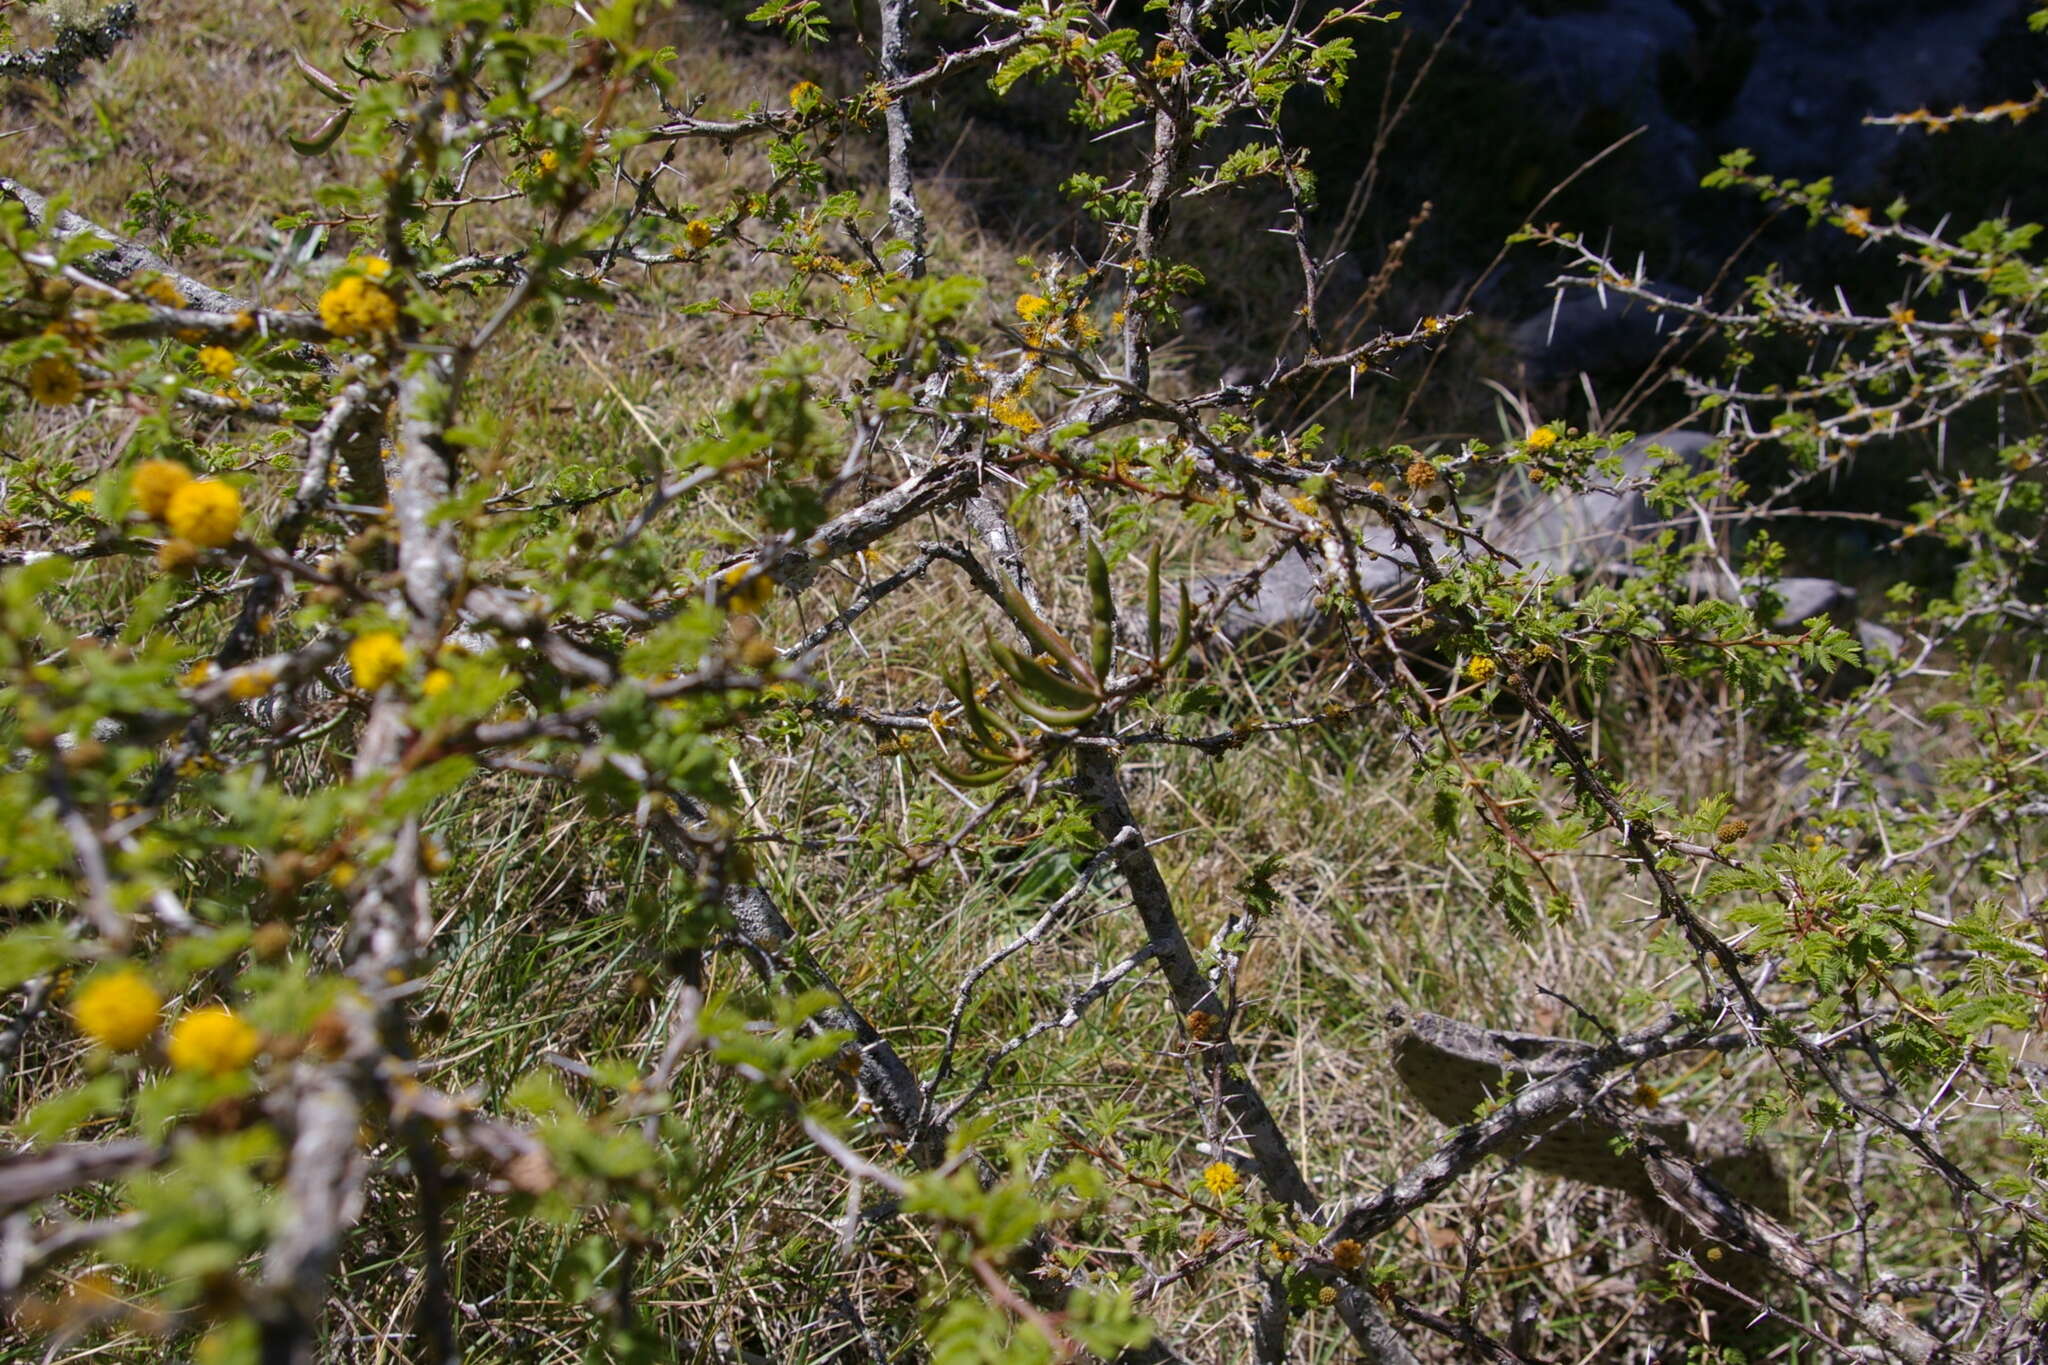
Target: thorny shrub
262,644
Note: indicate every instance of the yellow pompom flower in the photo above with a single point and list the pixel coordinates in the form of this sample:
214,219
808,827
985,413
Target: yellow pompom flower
1543,438
251,685
217,361
1220,1177
54,382
698,233
549,161
1481,668
154,482
176,556
118,1010
354,306
805,96
82,497
1032,307
162,291
745,595
205,512
376,658
214,1041
1014,415
436,682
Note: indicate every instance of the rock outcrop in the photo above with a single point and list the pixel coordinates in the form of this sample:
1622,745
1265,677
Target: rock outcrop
1578,536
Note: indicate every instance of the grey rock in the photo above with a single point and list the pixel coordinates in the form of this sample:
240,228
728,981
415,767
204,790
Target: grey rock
1452,1068
1574,535
1283,602
1805,598
1879,642
1585,531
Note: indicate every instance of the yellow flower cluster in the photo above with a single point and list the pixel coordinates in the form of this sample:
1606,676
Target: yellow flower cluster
743,594
1543,438
805,96
357,306
376,658
1044,325
1481,668
54,382
175,556
217,361
698,233
1220,1177
249,685
1013,414
205,512
1168,62
118,1010
153,484
213,1041
161,290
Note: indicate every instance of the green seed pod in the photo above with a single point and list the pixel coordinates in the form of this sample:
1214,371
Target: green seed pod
1056,717
1041,681
1152,621
1183,633
1098,584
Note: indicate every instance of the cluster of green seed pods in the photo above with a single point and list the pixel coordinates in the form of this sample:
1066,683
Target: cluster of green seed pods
1055,686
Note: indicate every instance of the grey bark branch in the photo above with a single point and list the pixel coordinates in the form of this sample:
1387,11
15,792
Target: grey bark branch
62,63
904,214
1222,1064
323,1186
122,258
1719,1215
1170,138
989,523
1370,1329
35,998
26,1177
391,919
1531,1108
